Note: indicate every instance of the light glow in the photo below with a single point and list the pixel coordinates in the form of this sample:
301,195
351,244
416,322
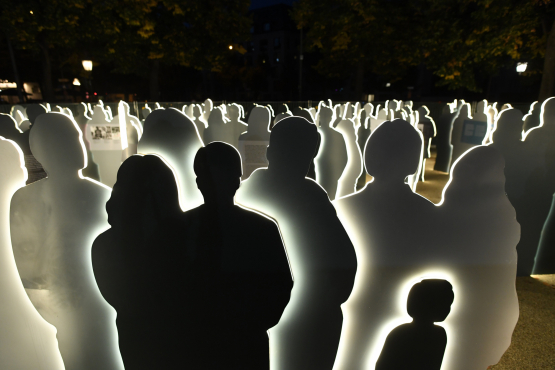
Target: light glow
76,82
87,65
521,67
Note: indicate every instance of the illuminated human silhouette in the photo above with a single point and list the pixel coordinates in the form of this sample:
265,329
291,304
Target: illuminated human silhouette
388,224
53,223
476,236
31,341
420,344
320,252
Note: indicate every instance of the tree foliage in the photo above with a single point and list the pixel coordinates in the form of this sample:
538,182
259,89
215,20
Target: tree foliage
455,39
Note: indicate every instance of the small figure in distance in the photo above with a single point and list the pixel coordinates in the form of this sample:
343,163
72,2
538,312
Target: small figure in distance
238,281
420,344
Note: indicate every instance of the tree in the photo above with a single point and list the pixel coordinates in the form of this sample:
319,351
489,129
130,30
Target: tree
42,26
454,39
141,35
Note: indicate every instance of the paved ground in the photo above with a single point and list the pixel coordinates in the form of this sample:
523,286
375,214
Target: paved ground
533,342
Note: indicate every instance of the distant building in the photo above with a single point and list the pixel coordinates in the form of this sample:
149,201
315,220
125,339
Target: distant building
274,47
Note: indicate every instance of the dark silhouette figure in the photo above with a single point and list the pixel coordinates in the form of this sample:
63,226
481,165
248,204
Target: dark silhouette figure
420,344
238,281
320,252
443,139
332,157
138,264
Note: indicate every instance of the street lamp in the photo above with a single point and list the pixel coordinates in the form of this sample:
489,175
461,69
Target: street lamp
87,65
521,67
230,47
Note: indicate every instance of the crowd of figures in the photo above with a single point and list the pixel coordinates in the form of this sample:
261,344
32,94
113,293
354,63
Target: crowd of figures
198,240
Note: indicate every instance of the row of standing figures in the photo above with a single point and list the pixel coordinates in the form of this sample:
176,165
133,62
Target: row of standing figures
262,273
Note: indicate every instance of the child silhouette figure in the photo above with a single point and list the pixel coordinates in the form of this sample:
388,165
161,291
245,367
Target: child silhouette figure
420,344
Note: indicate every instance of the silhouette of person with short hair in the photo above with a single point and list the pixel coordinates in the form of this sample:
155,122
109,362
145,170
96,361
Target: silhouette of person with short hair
238,281
420,344
321,254
137,263
53,222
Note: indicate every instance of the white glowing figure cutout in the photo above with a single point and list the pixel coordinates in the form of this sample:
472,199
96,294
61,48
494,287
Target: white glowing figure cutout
70,209
320,253
473,249
32,341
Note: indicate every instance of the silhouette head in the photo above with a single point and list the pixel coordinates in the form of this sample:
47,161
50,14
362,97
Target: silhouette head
8,127
234,112
259,119
430,300
218,169
508,127
145,191
169,127
197,111
35,110
293,144
326,116
12,166
216,117
57,143
393,151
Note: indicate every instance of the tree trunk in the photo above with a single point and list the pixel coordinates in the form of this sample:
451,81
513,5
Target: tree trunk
154,86
47,88
359,83
547,88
